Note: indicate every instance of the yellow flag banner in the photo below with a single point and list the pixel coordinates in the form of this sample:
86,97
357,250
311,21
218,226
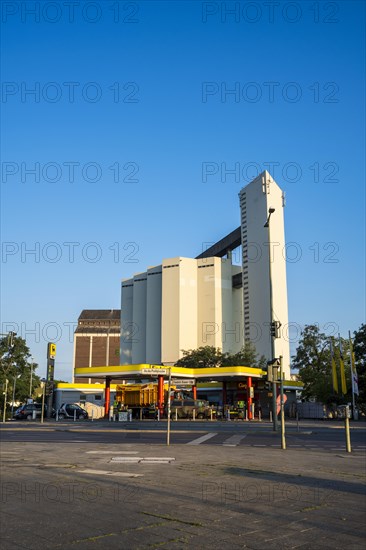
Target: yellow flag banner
334,370
343,374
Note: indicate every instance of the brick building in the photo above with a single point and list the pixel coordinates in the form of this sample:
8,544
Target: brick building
97,339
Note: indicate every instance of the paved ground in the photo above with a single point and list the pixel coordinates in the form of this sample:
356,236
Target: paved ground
73,489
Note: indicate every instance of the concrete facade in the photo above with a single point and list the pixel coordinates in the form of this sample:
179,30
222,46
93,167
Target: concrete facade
182,304
186,303
255,201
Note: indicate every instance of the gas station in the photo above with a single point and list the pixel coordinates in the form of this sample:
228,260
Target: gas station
232,384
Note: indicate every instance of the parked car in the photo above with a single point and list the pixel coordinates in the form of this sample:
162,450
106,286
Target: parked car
69,410
25,412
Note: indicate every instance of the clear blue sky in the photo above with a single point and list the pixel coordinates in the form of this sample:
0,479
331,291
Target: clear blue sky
144,89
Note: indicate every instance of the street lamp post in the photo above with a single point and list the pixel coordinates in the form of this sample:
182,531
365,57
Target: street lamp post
31,378
43,386
14,386
5,397
274,385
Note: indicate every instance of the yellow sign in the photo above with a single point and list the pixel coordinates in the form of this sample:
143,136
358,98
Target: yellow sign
52,350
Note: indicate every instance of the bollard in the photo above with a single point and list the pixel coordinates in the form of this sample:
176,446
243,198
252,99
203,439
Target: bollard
74,415
260,416
246,415
228,415
346,425
211,414
57,415
34,414
297,421
92,415
110,414
130,416
176,414
158,415
140,413
194,415
270,416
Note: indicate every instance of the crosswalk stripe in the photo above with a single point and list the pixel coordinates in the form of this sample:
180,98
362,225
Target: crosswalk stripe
234,440
201,439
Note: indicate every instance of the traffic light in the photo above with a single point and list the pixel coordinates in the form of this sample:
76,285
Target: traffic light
272,370
275,329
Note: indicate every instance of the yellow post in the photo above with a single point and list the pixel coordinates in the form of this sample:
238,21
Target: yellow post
348,436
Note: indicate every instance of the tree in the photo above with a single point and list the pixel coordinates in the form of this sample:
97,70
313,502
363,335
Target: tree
205,356
247,356
17,368
313,359
209,356
359,348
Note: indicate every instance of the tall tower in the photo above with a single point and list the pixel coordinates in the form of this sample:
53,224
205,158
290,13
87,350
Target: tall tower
264,267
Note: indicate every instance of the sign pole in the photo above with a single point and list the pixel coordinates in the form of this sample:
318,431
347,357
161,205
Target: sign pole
168,408
51,354
283,438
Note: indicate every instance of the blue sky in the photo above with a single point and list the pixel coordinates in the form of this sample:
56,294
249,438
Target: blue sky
148,90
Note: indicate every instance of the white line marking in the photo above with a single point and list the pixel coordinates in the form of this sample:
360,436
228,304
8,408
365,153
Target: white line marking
201,439
234,440
109,473
112,452
129,459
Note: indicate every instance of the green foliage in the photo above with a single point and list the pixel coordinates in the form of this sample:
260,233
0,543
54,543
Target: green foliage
359,348
313,359
204,357
16,366
209,356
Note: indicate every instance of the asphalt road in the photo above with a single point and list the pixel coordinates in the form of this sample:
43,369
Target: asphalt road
312,435
82,486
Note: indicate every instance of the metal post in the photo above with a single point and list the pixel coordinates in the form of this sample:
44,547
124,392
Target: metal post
211,414
283,438
31,378
43,396
168,408
92,415
346,425
297,420
75,415
56,415
274,388
158,415
12,401
354,412
194,415
176,414
5,398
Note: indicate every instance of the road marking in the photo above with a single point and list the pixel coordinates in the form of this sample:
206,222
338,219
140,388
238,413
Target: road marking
157,460
201,439
259,445
109,473
112,452
129,459
234,440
